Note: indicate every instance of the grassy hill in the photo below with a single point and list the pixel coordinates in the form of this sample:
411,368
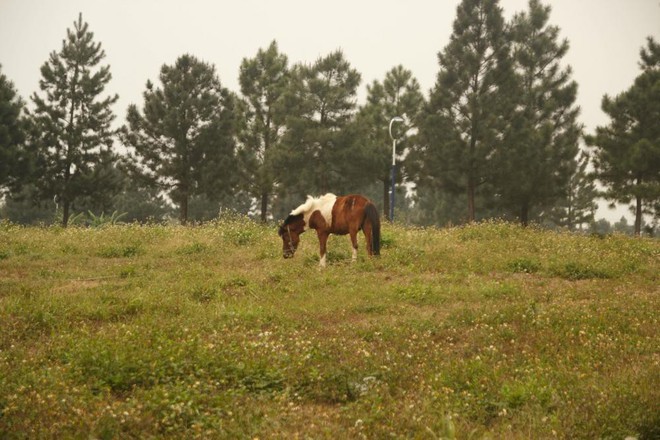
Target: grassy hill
484,331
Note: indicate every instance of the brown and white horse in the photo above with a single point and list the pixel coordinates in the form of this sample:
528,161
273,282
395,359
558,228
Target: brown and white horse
331,214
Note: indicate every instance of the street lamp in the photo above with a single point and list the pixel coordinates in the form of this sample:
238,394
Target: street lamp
393,178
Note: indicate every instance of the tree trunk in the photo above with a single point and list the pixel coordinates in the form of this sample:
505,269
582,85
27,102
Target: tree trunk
472,181
65,212
264,207
183,211
524,213
470,194
638,216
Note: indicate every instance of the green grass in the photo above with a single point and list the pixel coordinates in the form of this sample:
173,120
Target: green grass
484,331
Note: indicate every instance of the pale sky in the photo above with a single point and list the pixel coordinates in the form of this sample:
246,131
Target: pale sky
139,36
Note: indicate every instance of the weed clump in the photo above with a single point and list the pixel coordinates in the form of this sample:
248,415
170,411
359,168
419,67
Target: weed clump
524,265
575,271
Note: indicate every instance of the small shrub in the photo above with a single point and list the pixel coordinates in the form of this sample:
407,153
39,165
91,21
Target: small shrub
415,292
114,309
203,294
331,387
579,271
192,249
127,251
127,272
387,241
524,265
498,290
97,221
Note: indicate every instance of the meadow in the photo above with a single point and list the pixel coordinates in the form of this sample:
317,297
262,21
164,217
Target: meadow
483,331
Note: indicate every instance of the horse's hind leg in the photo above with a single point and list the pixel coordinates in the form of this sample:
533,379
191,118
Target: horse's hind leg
354,242
368,235
323,240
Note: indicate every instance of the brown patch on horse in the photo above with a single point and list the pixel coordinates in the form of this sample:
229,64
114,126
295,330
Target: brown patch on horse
316,221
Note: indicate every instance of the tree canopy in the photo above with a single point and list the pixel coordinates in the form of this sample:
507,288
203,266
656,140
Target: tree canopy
183,139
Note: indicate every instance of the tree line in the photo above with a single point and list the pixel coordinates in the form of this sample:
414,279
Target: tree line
497,136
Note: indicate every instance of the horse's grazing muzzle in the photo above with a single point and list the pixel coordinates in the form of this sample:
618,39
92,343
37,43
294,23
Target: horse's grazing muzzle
288,254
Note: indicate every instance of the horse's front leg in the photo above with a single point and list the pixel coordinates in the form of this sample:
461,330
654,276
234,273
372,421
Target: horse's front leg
323,240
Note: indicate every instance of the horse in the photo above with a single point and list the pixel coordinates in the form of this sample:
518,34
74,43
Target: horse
331,214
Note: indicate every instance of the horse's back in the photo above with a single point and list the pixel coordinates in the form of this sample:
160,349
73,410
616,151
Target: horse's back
348,213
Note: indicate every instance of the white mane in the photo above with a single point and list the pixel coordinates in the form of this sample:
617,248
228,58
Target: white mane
322,204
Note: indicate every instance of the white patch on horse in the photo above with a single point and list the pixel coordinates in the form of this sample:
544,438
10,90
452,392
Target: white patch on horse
322,261
322,204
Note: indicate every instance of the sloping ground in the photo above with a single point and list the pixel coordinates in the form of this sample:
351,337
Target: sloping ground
489,330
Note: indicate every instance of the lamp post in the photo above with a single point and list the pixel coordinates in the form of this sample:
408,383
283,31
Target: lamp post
393,177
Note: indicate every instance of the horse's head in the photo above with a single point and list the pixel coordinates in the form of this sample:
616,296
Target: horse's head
290,231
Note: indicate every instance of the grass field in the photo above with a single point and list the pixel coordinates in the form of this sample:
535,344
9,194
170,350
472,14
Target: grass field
484,331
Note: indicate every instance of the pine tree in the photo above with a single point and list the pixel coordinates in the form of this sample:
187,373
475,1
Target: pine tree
577,205
470,103
535,163
319,151
398,95
71,124
627,151
184,139
13,157
263,80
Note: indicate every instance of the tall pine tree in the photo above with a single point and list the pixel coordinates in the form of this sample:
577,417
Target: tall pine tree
398,95
627,151
534,165
263,80
319,151
71,124
184,138
470,103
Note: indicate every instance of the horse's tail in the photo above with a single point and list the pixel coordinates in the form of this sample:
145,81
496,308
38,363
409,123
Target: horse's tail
371,214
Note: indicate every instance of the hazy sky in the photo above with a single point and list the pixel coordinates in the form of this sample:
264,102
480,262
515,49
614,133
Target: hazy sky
139,36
